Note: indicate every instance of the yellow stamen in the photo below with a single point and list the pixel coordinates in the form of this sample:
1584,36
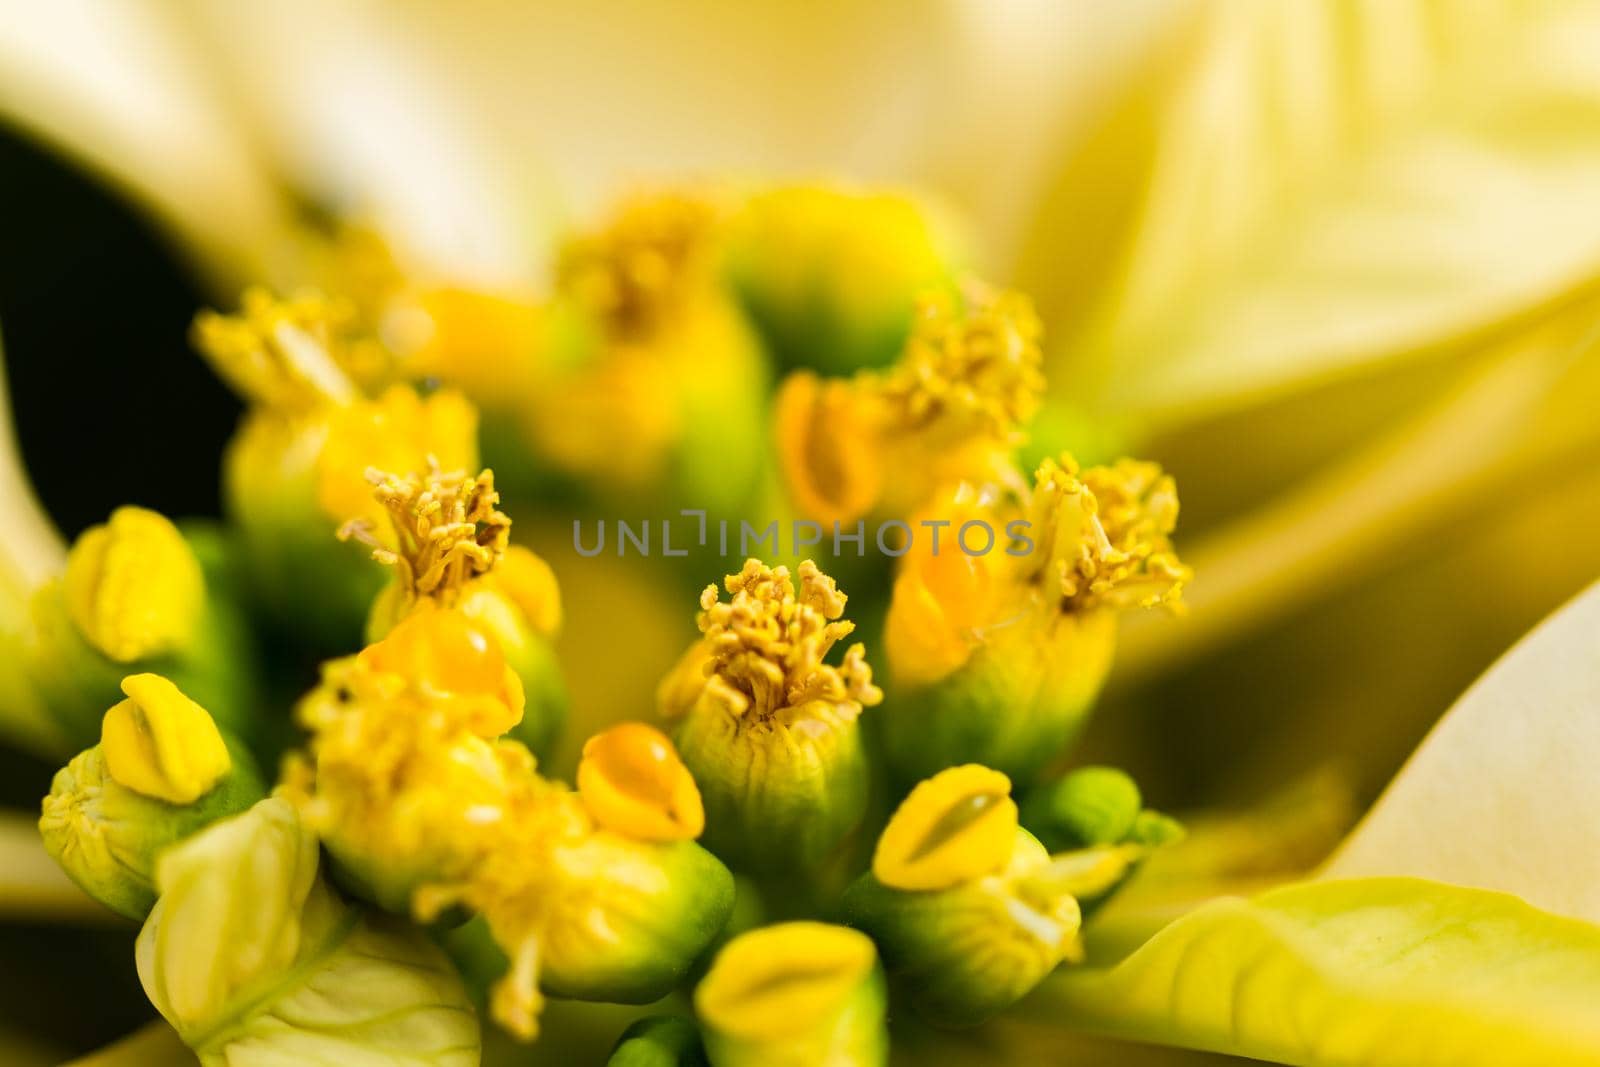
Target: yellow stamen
958,825
974,367
160,743
767,644
1104,535
517,884
447,657
447,528
632,272
134,587
633,782
398,779
784,981
291,354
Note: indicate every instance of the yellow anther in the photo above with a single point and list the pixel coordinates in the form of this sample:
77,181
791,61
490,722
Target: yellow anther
767,643
447,657
958,825
1104,535
976,366
446,529
160,743
784,981
134,587
633,782
400,431
289,354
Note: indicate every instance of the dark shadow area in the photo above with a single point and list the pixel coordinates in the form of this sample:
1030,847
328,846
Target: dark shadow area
112,405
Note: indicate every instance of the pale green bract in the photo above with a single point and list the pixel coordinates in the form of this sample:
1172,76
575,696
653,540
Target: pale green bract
1372,971
1449,968
256,962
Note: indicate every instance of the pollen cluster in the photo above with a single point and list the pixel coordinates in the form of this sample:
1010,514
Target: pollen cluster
767,643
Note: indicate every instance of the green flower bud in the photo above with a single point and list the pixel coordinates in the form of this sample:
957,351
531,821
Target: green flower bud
967,908
832,276
794,995
1089,806
1093,817
1153,829
112,812
631,917
770,732
252,958
660,1041
1015,704
971,950
998,657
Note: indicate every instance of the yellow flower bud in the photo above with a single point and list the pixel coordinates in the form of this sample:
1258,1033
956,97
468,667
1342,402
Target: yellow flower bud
482,342
399,431
956,826
160,743
133,586
796,993
531,585
633,782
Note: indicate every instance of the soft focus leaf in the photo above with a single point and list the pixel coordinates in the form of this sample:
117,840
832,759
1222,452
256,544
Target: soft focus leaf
1503,794
1385,971
1307,190
1469,452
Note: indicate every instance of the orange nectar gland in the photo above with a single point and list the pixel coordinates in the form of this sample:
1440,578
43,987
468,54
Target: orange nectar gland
441,651
632,782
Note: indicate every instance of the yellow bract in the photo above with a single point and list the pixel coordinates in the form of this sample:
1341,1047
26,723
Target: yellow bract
160,743
783,981
958,825
633,782
133,586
